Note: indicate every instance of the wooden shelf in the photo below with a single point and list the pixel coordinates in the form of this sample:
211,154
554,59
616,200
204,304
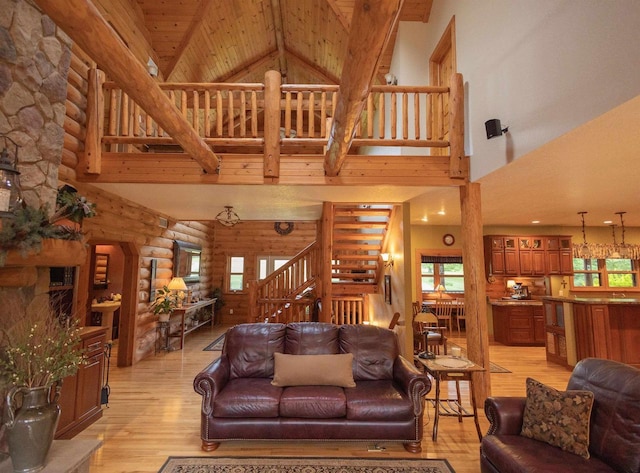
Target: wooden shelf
52,253
182,313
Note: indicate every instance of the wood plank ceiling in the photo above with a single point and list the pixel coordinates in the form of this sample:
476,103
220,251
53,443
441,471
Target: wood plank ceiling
239,40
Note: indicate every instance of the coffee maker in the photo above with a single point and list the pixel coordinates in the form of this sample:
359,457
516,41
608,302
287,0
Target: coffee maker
520,291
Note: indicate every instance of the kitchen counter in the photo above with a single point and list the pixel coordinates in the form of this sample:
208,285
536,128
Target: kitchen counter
594,300
512,302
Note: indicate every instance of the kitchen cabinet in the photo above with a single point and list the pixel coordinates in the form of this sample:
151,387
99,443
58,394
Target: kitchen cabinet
79,401
555,336
518,323
528,255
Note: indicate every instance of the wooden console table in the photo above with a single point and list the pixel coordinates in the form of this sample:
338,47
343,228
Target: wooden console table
188,309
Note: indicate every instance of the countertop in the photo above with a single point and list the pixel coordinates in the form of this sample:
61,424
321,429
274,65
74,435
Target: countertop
512,302
595,300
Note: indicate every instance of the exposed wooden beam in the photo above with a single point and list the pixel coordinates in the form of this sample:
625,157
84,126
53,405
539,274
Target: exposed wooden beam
82,21
276,11
201,13
371,26
342,17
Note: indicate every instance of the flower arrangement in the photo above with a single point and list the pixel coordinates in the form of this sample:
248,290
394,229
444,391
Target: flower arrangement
40,350
165,302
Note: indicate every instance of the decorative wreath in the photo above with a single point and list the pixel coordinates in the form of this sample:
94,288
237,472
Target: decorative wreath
283,228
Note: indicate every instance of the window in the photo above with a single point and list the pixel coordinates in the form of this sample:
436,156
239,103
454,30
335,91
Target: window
269,264
605,273
445,270
236,273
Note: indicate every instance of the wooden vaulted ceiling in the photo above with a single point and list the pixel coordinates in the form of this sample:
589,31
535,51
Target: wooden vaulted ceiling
239,40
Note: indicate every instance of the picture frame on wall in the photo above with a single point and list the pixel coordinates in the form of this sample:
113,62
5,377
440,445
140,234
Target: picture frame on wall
152,283
387,288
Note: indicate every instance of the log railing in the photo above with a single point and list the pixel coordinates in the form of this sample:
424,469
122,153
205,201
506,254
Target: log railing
348,310
283,296
226,114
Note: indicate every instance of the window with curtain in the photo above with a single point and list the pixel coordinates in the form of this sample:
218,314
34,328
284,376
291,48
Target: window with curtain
445,270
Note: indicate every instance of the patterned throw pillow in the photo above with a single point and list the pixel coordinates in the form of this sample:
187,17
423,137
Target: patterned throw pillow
559,418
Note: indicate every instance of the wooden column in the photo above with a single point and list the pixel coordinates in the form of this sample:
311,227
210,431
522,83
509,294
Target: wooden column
272,81
371,27
84,24
475,287
325,258
91,160
456,126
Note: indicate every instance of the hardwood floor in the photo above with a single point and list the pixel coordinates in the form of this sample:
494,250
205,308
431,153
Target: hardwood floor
154,413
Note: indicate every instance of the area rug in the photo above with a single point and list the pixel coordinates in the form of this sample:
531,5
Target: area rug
493,368
303,465
216,345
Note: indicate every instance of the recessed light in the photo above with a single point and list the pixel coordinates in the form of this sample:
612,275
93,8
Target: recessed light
607,222
535,221
442,212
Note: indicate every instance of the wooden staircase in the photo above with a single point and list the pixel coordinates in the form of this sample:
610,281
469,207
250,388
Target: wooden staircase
359,233
358,236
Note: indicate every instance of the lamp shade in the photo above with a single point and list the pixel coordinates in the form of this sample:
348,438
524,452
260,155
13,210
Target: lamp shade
511,283
441,288
177,284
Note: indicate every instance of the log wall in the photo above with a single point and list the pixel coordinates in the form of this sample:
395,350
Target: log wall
119,220
252,239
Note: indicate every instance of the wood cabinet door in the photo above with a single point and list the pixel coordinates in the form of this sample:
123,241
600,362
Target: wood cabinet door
566,262
526,263
511,265
553,262
538,265
497,262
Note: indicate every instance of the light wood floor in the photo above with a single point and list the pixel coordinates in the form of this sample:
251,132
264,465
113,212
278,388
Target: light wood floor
154,413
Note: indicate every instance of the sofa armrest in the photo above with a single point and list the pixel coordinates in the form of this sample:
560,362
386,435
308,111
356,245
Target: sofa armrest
504,415
210,381
412,381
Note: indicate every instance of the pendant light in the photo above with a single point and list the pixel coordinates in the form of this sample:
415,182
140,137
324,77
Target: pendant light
583,251
228,217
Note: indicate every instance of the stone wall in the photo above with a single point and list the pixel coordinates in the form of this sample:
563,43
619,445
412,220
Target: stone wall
34,61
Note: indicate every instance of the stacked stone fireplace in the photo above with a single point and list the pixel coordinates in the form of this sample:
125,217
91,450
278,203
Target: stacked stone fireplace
34,62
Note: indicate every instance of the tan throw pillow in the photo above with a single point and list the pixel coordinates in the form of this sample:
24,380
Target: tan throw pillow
313,370
559,418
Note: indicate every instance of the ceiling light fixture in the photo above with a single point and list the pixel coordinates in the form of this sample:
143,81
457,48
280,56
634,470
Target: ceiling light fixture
391,78
613,250
228,217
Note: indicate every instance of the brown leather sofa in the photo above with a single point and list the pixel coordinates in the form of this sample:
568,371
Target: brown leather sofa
239,402
614,443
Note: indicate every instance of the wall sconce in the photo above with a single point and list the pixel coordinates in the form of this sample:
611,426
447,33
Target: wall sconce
386,259
152,67
10,192
228,217
179,286
494,128
391,78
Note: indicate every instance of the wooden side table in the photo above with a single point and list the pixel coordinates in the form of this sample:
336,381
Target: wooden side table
450,368
182,312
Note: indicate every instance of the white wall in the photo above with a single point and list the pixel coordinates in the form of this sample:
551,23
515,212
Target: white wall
542,67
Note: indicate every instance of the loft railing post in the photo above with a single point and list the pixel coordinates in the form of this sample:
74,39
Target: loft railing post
272,82
91,160
456,127
253,301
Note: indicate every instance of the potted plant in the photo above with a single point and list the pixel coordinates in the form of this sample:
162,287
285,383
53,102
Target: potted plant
165,303
35,355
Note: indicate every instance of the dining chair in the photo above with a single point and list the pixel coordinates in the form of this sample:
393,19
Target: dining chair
460,314
443,310
431,334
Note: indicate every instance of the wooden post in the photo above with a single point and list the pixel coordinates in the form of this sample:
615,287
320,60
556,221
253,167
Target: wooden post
253,301
84,24
272,124
475,288
371,27
456,127
326,258
91,160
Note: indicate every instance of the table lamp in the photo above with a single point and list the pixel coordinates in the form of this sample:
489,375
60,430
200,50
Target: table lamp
440,289
178,285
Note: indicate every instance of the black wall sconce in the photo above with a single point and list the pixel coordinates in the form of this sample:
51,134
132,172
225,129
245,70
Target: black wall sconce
494,128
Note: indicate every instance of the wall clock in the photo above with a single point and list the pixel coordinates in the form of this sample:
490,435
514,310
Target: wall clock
448,239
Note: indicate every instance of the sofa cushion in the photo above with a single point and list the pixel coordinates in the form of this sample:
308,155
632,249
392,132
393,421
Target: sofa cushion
304,338
313,402
248,397
518,454
377,401
313,370
559,418
374,350
615,420
250,348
